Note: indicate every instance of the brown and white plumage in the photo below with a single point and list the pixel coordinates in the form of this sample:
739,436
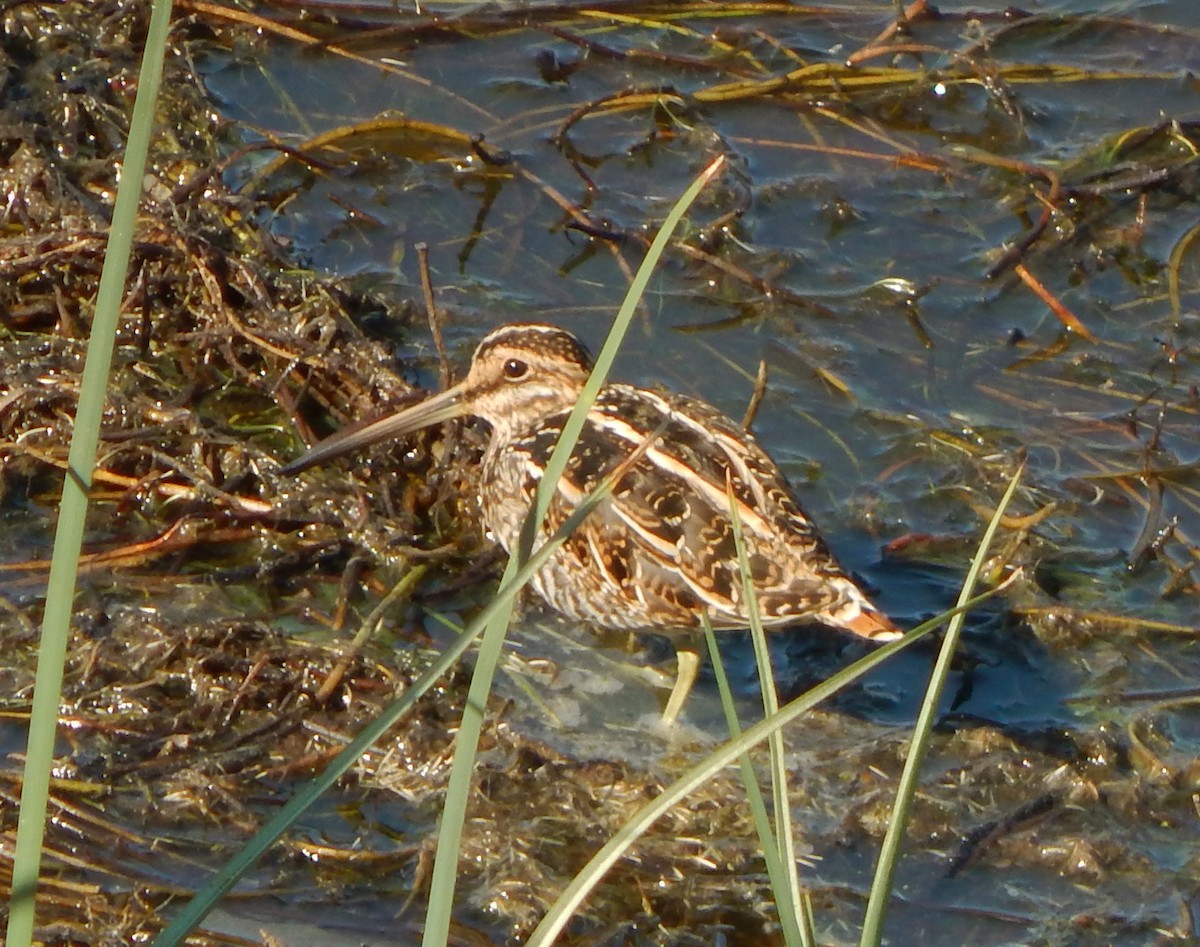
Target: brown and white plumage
658,551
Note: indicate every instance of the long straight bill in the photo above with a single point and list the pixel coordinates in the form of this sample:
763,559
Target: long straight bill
443,407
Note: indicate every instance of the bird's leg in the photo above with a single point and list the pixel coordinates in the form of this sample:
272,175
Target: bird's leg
687,667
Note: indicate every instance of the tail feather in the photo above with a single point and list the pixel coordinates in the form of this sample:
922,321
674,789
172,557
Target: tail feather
871,624
857,615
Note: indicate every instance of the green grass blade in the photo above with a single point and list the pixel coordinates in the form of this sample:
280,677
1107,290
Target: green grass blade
787,889
445,870
440,911
608,352
889,851
776,870
60,591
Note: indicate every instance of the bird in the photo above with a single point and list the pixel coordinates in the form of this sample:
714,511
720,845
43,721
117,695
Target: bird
657,554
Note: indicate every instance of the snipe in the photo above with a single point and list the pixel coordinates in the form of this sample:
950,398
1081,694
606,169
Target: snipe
659,550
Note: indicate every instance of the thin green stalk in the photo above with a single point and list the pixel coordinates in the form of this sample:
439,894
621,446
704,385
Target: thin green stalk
81,460
445,870
789,919
889,851
787,892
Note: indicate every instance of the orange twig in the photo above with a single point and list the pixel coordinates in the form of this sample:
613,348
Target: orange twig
1065,316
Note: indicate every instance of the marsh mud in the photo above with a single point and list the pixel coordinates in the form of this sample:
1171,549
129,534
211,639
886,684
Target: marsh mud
945,244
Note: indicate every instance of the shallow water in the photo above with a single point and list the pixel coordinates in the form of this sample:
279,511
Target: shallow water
902,383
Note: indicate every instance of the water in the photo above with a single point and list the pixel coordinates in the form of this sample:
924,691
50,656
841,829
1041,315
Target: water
902,383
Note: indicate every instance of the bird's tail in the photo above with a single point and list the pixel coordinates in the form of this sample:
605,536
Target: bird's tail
858,616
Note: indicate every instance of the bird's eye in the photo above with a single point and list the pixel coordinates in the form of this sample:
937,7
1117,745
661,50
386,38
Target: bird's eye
515,369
